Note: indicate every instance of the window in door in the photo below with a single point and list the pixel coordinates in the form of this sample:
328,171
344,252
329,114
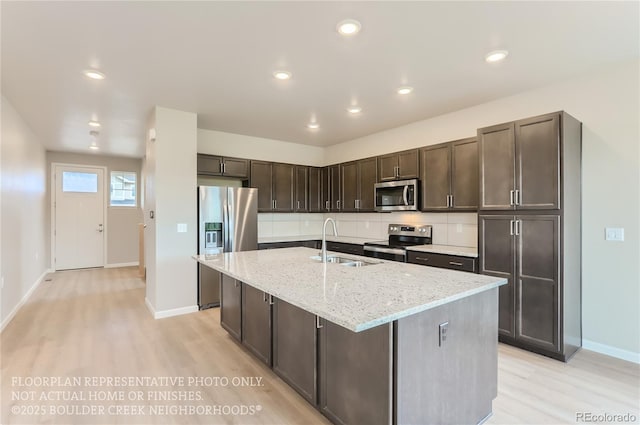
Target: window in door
123,189
74,181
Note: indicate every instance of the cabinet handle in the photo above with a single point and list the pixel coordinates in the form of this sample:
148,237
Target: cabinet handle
271,299
318,324
511,231
224,167
455,263
274,204
518,223
264,297
451,201
338,204
326,205
517,200
221,167
511,196
298,204
235,283
422,258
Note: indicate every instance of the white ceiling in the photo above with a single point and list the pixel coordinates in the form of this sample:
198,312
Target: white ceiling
217,59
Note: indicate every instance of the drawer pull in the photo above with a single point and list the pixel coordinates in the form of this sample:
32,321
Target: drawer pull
454,263
318,324
422,258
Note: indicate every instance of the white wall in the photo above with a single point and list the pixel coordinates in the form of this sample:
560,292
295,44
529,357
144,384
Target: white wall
607,103
24,252
171,170
237,145
122,222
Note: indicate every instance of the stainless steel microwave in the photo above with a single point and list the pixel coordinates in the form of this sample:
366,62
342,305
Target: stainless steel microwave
401,195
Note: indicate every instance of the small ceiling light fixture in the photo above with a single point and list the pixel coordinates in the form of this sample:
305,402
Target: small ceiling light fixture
282,75
313,125
349,27
94,74
94,124
496,56
405,90
94,147
354,109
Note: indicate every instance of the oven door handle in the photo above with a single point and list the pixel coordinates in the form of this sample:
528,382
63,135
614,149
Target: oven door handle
385,250
405,195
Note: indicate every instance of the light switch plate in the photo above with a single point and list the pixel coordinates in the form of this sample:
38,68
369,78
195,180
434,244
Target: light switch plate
182,227
614,234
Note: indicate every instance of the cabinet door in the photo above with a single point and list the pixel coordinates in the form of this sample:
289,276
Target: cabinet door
256,323
497,258
209,165
387,167
435,179
261,179
356,374
464,174
295,348
334,187
231,306
315,190
408,164
349,185
326,188
301,203
368,178
537,285
283,187
538,162
496,147
236,167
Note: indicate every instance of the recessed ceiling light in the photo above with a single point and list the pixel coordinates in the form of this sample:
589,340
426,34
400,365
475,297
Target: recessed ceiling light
405,90
313,125
496,56
282,75
94,147
93,74
348,27
93,123
354,109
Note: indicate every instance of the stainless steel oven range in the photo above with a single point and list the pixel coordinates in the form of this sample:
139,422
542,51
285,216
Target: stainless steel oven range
400,237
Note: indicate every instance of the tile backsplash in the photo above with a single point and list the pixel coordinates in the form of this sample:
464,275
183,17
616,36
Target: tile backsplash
459,229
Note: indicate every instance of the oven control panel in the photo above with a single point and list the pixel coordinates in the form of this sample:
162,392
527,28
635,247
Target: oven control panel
423,230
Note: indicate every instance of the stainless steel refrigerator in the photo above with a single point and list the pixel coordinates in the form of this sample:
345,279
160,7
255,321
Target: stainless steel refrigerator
227,222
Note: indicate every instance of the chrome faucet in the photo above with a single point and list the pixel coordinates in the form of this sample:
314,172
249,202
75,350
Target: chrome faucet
323,253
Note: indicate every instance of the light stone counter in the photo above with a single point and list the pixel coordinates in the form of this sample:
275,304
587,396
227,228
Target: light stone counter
462,251
344,239
357,298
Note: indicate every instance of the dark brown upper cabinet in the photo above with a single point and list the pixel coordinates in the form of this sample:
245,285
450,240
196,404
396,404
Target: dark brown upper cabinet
275,184
317,185
301,189
358,179
520,164
211,165
449,176
398,165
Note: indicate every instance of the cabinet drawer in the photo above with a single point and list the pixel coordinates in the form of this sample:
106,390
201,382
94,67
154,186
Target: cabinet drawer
345,248
452,262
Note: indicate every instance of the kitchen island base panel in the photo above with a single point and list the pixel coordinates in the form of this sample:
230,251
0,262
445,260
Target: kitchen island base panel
453,382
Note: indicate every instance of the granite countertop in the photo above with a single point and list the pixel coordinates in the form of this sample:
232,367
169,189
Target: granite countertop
345,239
462,251
357,298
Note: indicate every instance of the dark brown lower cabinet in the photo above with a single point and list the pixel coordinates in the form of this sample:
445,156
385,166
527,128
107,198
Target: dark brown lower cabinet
256,322
295,348
444,261
345,248
356,371
538,309
231,306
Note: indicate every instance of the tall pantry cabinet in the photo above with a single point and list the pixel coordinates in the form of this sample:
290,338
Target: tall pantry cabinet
529,228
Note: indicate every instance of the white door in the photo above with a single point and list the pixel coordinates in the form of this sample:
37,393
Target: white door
79,217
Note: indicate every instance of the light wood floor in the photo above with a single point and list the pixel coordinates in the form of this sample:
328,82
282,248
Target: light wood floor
95,323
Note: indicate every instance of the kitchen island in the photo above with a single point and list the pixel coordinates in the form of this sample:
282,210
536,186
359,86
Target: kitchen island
381,343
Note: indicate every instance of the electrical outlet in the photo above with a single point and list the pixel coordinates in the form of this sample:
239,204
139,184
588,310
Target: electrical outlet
443,328
614,234
182,227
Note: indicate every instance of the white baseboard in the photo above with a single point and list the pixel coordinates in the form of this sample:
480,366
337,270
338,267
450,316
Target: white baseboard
608,350
24,299
116,265
169,313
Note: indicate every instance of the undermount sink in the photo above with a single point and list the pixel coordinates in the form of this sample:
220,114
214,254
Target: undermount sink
347,262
